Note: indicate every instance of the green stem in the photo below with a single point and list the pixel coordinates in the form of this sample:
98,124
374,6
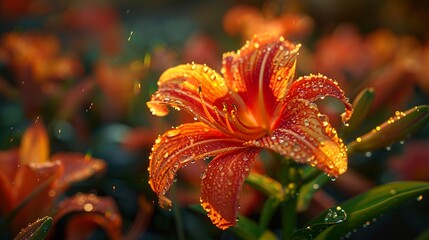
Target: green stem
177,215
288,217
310,175
290,179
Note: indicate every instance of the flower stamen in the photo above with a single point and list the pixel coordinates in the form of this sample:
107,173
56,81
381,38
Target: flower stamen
225,112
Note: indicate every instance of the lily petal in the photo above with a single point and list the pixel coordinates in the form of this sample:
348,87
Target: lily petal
306,136
28,179
77,167
197,89
101,211
261,72
34,145
9,161
221,185
180,87
316,87
180,146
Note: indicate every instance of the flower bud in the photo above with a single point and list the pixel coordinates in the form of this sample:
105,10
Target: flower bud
398,127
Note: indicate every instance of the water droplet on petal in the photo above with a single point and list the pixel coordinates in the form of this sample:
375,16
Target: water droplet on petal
88,207
173,133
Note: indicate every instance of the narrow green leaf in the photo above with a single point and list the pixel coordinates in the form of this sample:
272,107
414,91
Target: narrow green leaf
370,205
394,129
270,207
37,230
266,185
333,217
307,190
248,229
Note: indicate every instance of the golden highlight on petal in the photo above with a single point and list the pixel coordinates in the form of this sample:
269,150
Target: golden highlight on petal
34,145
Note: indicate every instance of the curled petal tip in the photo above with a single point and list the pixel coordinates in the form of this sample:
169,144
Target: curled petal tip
157,109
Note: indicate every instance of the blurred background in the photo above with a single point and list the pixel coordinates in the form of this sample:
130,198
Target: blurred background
87,68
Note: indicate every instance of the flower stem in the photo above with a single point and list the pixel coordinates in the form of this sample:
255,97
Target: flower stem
177,216
288,217
290,179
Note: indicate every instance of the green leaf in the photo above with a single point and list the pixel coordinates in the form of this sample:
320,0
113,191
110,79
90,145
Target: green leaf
266,185
394,129
307,190
370,205
270,207
248,229
37,230
333,217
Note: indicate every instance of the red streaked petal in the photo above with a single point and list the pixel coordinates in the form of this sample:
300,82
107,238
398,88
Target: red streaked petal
77,167
94,211
180,146
316,87
261,73
306,136
34,145
221,185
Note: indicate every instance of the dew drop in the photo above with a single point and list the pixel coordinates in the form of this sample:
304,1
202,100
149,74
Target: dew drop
88,207
173,133
230,172
336,215
368,154
419,198
392,191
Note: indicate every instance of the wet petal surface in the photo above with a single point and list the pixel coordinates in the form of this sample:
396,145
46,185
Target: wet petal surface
182,145
94,212
316,87
306,136
221,185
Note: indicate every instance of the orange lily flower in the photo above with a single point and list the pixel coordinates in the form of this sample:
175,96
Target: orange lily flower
28,174
255,105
